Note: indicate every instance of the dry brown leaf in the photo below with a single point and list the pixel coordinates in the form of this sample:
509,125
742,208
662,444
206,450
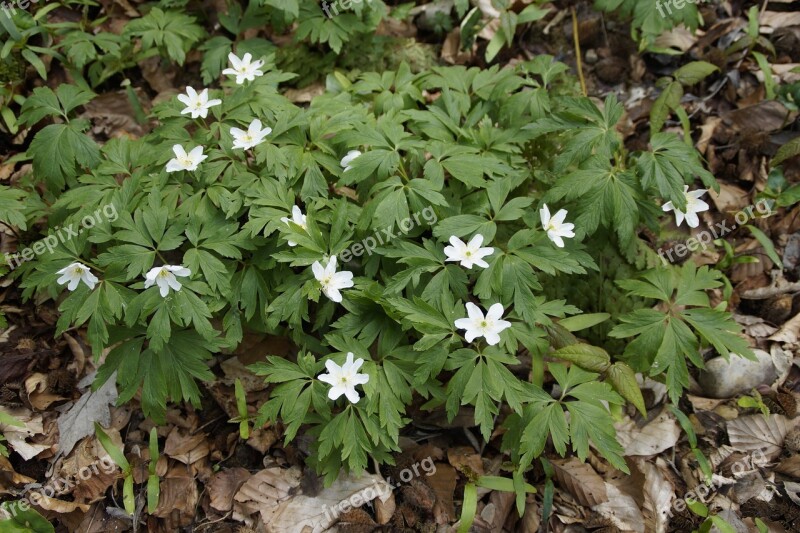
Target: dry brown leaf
581,481
621,510
443,482
465,460
790,466
223,486
756,432
658,435
89,459
8,476
55,505
771,20
177,501
186,448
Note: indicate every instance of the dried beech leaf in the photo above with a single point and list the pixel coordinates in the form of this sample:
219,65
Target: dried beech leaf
756,432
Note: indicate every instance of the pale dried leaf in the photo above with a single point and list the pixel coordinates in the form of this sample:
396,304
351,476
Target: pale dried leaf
658,435
92,407
17,436
658,496
756,432
317,513
621,510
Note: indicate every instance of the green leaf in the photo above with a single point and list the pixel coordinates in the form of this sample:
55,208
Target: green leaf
25,520
694,72
623,379
579,322
788,150
469,507
766,242
60,151
586,356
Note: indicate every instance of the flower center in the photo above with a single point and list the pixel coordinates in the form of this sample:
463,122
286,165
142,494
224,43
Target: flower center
77,271
484,323
343,379
163,273
468,254
185,161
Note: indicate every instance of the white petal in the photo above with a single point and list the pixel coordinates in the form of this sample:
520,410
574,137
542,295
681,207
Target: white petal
495,312
352,395
318,271
492,338
336,391
476,241
473,311
692,220
544,215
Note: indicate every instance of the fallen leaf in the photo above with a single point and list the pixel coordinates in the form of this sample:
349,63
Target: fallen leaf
92,407
17,436
318,513
223,486
658,435
756,432
658,495
621,510
581,481
186,447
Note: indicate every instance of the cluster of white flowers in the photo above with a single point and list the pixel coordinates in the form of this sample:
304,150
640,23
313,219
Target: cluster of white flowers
163,276
198,105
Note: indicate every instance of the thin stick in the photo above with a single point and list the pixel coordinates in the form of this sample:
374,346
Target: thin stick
578,49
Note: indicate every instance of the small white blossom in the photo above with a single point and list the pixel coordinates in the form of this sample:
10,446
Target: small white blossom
343,379
197,104
250,138
694,205
468,254
555,226
298,218
184,161
74,274
164,277
243,68
349,158
489,327
330,280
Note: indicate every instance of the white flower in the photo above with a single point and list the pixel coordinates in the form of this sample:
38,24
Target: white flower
555,226
298,218
330,280
250,138
470,253
197,104
243,69
343,379
164,277
74,274
488,327
349,158
694,205
184,161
